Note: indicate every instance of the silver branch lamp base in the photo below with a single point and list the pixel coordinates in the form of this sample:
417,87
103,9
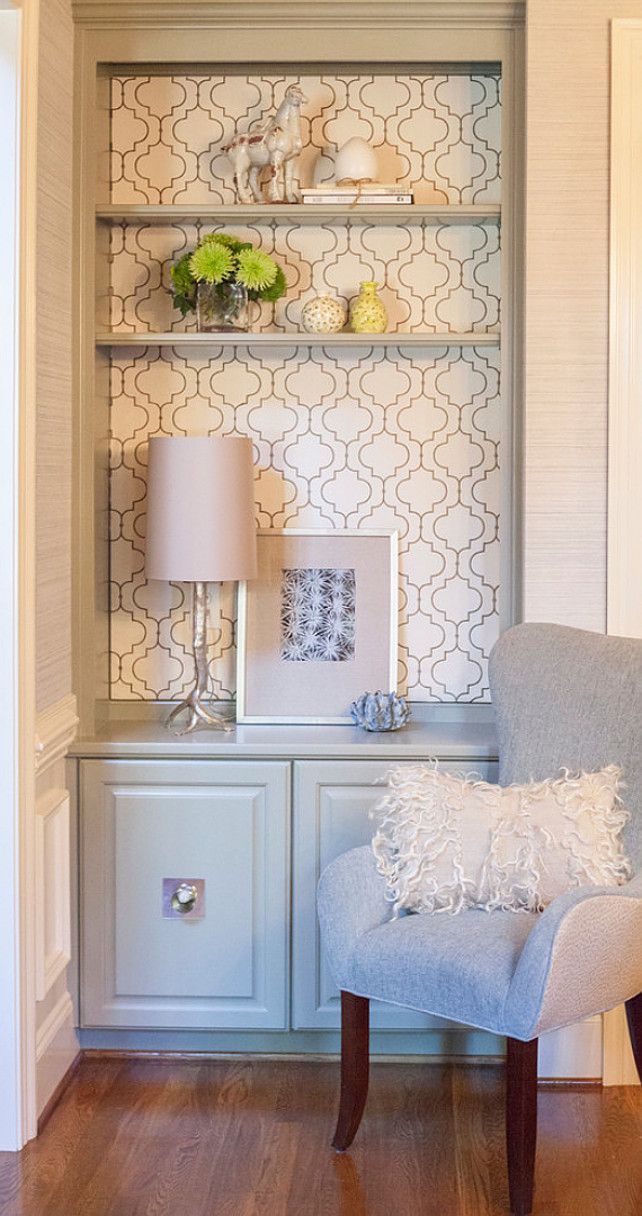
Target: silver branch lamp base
194,711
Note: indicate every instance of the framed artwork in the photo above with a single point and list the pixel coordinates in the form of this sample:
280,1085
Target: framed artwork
318,626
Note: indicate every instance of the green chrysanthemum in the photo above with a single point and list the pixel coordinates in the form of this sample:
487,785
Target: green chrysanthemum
225,238
219,258
255,269
277,289
212,262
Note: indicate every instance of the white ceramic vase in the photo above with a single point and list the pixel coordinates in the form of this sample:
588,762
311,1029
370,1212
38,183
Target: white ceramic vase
356,161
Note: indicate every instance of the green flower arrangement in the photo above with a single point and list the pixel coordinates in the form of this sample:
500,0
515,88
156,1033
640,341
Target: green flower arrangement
220,258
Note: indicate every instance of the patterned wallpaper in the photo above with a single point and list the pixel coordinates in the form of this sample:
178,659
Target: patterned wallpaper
433,277
438,134
404,438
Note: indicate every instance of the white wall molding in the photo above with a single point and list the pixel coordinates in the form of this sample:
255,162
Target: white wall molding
18,125
56,1049
268,14
62,1012
12,1040
624,567
55,732
53,890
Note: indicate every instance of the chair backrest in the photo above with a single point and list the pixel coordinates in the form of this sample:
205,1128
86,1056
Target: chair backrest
568,698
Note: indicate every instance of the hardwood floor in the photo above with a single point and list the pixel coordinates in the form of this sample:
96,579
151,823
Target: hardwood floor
252,1138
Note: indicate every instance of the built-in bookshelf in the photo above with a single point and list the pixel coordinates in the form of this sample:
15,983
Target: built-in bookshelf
408,430
397,429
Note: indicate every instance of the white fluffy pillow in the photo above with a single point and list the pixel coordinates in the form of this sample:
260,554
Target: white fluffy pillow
446,843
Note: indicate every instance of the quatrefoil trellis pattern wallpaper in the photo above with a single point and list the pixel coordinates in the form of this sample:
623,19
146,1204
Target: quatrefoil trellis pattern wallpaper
405,438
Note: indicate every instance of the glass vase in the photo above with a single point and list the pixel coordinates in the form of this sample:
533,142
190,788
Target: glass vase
222,308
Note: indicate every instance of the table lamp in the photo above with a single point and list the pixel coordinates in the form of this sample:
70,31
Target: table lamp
200,529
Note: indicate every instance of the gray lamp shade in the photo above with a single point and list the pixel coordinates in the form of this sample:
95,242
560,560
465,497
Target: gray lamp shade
200,509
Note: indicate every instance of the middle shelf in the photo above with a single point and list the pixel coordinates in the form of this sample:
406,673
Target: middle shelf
265,338
299,213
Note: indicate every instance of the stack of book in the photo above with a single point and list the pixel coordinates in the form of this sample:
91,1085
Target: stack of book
366,194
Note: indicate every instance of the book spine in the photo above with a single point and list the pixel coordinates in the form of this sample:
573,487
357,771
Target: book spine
377,190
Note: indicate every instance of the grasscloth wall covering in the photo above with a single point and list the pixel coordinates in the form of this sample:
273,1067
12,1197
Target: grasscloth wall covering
53,351
567,237
405,438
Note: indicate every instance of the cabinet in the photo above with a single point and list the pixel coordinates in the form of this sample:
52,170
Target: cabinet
332,805
238,964
224,823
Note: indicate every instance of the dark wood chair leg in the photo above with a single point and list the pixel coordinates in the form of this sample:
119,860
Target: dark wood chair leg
521,1123
634,1019
355,1061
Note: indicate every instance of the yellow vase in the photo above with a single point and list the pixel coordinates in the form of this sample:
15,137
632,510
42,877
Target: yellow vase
367,312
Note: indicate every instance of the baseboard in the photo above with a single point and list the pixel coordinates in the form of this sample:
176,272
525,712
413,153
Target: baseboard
448,1044
140,1053
57,1048
573,1053
468,1061
62,1085
619,1065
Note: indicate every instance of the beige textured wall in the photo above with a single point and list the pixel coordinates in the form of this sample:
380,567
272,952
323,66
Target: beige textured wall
567,188
53,385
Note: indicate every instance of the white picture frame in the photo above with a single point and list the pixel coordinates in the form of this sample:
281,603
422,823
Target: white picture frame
269,687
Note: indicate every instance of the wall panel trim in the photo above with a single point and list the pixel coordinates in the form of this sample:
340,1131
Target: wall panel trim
55,732
411,14
53,891
62,1012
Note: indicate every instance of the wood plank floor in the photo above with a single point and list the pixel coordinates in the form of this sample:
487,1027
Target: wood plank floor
251,1138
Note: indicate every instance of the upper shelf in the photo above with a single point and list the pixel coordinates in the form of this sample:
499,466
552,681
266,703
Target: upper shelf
300,213
277,338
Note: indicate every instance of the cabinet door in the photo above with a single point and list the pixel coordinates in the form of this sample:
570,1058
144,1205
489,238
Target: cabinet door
332,801
222,825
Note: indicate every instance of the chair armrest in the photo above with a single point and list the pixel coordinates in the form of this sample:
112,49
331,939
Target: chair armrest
582,957
351,900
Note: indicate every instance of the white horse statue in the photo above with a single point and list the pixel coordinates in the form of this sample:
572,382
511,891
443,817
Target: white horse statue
276,143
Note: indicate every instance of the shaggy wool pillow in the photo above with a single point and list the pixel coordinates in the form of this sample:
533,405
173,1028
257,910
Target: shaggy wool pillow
446,843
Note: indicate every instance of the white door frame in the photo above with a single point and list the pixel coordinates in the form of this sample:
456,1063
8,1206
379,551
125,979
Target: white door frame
18,76
624,583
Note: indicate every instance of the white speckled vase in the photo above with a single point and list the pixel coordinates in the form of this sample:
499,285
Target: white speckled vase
323,315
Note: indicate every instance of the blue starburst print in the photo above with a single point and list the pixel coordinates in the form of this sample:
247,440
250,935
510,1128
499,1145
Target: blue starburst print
318,609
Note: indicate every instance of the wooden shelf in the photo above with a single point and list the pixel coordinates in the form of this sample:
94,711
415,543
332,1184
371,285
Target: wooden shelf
300,213
297,339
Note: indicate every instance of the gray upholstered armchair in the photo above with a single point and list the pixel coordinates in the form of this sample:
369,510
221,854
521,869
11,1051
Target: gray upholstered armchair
562,698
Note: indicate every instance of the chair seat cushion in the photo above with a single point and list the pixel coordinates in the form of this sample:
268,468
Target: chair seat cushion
457,967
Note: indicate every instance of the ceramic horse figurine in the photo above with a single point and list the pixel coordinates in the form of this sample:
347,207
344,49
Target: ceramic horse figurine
276,143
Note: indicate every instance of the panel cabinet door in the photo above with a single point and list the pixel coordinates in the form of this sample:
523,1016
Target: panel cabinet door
332,802
224,823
